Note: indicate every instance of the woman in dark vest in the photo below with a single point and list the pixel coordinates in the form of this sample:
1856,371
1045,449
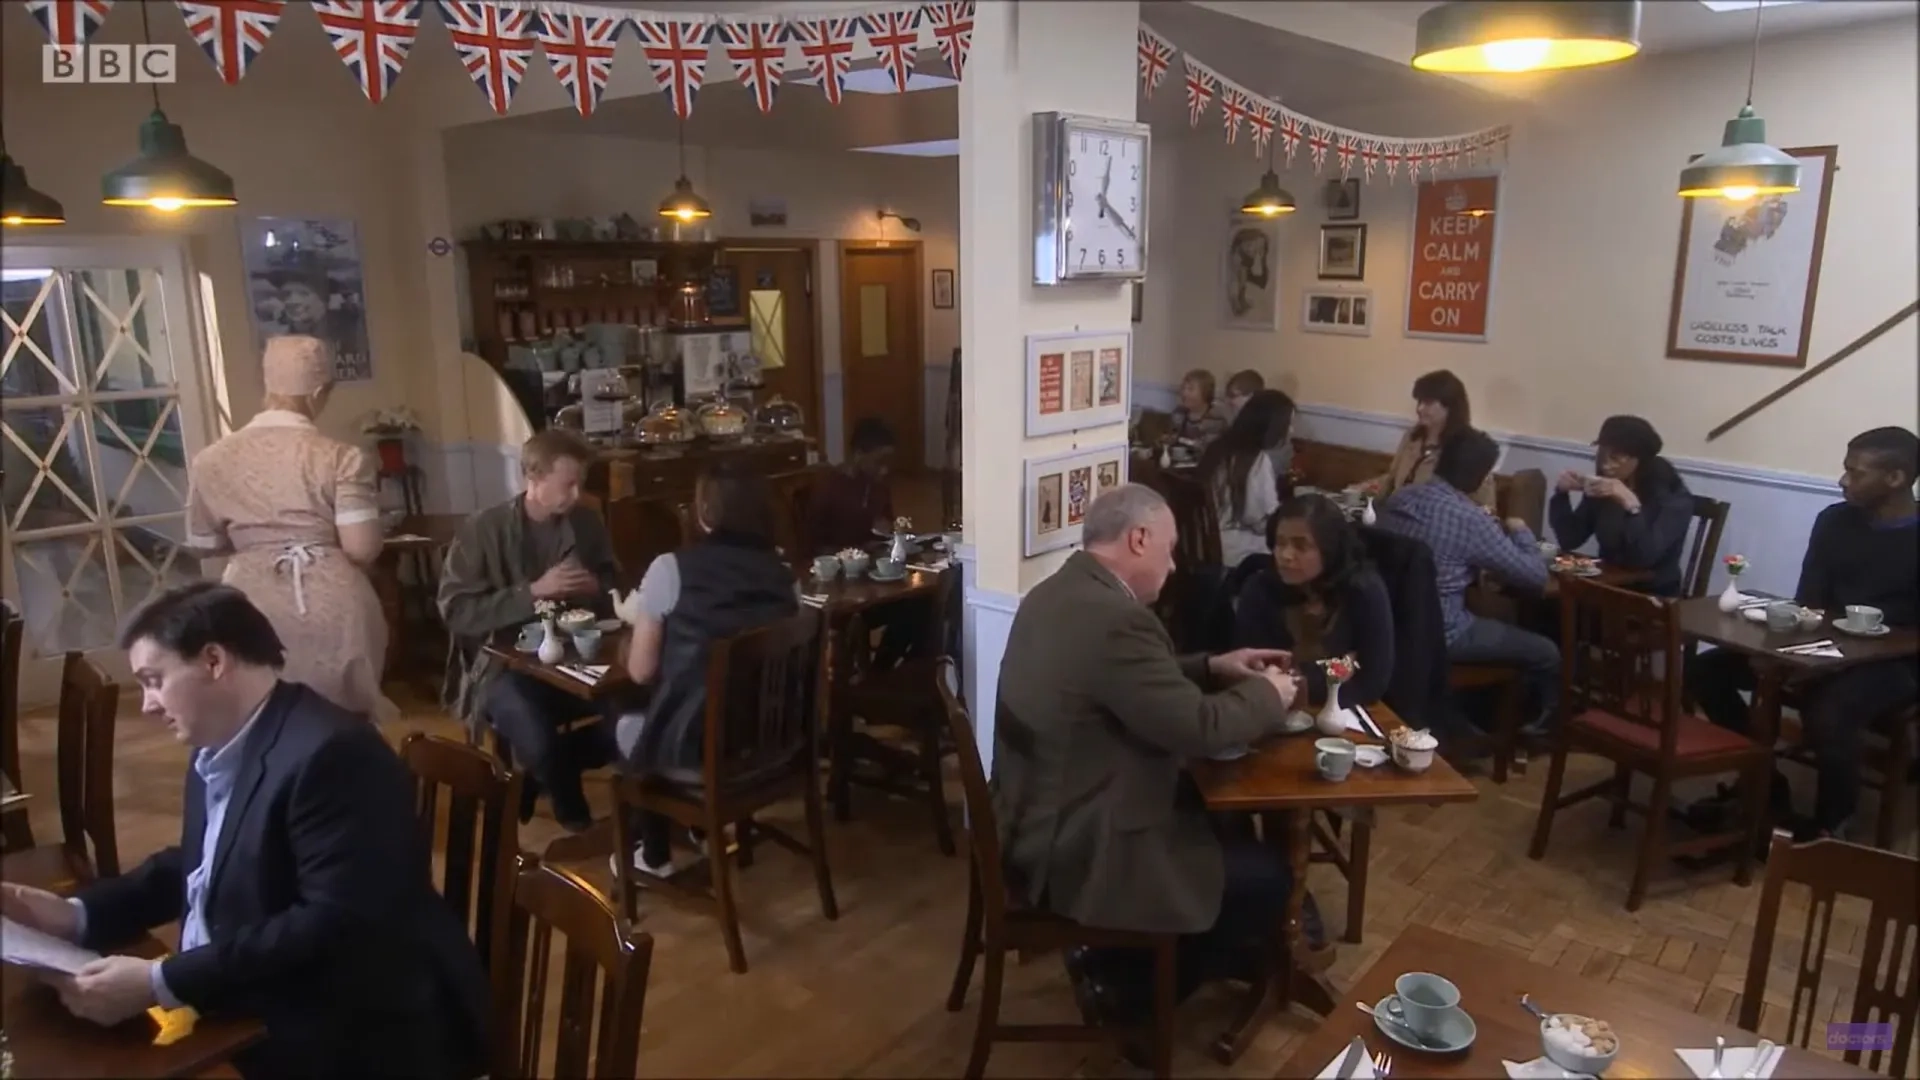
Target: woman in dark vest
729,581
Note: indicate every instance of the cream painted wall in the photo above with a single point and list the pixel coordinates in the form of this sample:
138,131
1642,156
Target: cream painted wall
1587,239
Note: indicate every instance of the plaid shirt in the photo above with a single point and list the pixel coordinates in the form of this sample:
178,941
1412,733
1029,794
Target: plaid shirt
1465,539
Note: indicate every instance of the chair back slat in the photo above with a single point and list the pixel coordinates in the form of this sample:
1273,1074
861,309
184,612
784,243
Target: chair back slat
602,954
83,763
482,831
983,828
1703,547
762,688
1887,988
1622,655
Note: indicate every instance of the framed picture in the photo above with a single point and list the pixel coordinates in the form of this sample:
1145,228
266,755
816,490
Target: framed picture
1343,252
943,289
1453,249
1059,488
1338,311
1343,199
1250,275
303,277
1077,380
1747,272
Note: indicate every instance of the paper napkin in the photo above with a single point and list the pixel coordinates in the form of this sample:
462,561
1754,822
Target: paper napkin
586,673
1735,1062
931,566
1827,653
1364,1072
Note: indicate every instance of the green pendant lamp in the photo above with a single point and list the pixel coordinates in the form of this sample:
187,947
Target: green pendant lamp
165,176
1269,199
1503,36
20,202
685,204
1743,165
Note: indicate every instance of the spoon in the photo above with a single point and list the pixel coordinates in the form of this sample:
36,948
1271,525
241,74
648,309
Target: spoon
1396,1021
1527,1004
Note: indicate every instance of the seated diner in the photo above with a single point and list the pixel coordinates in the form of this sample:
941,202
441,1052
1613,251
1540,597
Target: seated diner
1634,507
1198,419
1241,476
1441,411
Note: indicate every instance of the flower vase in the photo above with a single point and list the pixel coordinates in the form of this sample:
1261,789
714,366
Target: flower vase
393,454
1332,718
551,647
1731,597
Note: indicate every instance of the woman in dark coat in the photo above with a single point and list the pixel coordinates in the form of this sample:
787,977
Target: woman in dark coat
1635,507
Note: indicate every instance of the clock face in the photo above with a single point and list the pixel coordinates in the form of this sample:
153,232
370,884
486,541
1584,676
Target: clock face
1105,202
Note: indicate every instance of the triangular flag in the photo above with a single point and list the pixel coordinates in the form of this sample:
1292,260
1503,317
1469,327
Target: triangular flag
580,48
895,35
759,54
372,37
827,47
1156,56
952,32
1233,109
495,44
1260,125
1201,84
232,32
69,22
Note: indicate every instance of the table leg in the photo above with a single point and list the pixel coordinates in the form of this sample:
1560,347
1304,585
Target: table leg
1282,980
1764,723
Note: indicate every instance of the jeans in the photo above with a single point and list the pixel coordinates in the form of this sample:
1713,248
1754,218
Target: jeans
1490,641
1837,712
528,713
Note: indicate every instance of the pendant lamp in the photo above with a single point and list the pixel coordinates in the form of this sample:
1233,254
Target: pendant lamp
1269,199
684,204
1481,36
1743,165
165,176
20,202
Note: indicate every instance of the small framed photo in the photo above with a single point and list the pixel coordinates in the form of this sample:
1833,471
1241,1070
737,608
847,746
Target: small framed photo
1343,252
1077,380
645,271
1343,199
1338,311
943,289
1060,488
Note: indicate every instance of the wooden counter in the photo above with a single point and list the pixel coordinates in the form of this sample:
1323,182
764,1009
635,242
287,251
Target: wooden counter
670,472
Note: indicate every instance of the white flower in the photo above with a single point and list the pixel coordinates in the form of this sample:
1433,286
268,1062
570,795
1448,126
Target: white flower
389,422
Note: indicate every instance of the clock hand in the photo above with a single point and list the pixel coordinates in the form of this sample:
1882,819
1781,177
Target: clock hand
1106,208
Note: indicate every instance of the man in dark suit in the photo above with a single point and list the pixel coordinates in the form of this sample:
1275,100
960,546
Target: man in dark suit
301,880
1097,719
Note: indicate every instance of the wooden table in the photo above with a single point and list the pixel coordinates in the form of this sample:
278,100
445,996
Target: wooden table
51,1043
1491,981
612,655
1279,780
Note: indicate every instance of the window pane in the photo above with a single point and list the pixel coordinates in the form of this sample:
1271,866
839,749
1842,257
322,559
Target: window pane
34,359
873,320
767,314
123,330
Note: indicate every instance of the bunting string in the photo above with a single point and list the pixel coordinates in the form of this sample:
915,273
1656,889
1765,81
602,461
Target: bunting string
1266,118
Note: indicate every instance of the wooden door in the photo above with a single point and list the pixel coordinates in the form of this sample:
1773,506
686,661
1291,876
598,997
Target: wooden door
882,364
776,287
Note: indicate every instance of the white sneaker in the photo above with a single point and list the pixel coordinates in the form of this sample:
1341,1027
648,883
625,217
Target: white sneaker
641,864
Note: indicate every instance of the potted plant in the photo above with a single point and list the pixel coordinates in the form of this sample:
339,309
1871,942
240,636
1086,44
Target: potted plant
389,428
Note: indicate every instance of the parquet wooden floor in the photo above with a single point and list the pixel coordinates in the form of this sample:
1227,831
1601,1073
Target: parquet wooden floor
864,996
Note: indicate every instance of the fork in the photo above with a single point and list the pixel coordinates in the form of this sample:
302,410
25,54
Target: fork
1383,1066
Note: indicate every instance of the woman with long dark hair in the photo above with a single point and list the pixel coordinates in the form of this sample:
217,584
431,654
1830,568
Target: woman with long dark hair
1239,472
1320,599
1440,410
1635,505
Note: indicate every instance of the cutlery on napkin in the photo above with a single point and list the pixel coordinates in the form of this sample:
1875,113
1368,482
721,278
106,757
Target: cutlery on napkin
1822,649
1757,1062
930,566
1368,725
586,673
1362,1070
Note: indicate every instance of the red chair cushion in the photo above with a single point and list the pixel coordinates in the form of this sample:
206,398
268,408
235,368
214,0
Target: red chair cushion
1699,737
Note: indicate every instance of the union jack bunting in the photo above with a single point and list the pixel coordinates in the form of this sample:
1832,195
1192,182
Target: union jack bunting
69,22
494,42
1369,159
233,32
580,48
758,56
1200,87
1345,148
952,31
1290,134
677,53
827,47
1453,153
372,37
1318,139
1260,126
1233,109
1156,56
1392,155
895,35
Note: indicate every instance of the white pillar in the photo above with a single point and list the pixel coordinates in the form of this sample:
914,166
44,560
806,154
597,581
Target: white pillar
1034,56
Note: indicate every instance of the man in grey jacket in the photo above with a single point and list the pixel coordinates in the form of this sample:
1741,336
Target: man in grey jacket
539,545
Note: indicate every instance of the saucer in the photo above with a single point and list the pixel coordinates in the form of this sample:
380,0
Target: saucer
1457,1030
885,578
1234,753
1847,627
1295,723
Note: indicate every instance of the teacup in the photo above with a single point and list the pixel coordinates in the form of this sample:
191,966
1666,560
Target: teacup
888,568
587,642
531,635
856,564
1334,758
1549,549
826,568
1862,617
1811,618
1425,999
1782,616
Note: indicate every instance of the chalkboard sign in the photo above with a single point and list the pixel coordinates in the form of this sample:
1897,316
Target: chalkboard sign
723,293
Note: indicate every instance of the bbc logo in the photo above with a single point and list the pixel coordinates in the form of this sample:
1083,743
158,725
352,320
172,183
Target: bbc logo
107,63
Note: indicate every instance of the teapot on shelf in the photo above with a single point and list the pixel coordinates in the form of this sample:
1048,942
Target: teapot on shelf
626,607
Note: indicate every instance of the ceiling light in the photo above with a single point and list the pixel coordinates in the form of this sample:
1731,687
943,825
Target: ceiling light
20,202
1743,165
1269,199
164,176
684,204
1480,36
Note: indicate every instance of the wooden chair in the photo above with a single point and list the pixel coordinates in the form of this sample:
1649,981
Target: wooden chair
642,529
1890,883
906,697
483,805
792,502
83,769
999,923
1615,702
15,832
1709,521
598,943
1886,766
760,736
1512,691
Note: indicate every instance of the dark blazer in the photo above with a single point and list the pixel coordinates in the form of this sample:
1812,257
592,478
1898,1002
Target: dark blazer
1418,689
323,919
1362,628
1095,722
1651,540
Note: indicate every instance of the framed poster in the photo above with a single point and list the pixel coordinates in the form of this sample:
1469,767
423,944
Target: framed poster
1077,380
303,277
1343,252
1250,275
1450,270
1059,489
1747,272
1338,311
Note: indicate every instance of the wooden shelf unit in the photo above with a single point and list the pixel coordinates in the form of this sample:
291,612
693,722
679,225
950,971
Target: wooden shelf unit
517,296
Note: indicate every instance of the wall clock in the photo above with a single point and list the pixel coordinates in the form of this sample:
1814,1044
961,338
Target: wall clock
1090,198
